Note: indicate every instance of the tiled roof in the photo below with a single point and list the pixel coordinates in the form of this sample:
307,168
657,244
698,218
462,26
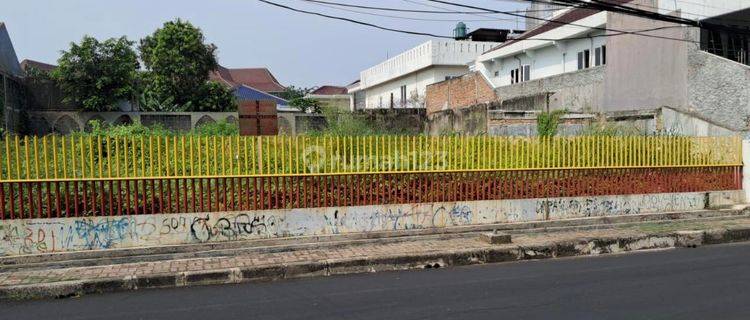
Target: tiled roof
571,16
26,63
329,90
258,78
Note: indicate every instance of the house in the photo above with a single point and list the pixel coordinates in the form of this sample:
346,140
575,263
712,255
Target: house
401,81
12,98
28,65
258,78
332,96
668,77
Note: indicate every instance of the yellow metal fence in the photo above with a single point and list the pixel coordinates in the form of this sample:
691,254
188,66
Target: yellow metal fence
86,157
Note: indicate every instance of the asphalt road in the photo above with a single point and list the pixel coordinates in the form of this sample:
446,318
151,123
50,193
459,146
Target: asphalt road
704,283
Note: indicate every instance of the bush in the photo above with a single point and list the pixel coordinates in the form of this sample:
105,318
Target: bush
221,128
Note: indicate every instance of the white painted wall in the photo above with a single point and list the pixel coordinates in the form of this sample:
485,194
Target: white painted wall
555,52
417,68
701,9
416,85
550,53
545,61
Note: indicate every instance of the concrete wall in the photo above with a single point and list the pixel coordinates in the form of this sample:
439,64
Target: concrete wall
579,91
645,72
469,121
72,234
719,89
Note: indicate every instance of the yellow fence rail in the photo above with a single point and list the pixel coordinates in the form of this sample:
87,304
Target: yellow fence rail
86,157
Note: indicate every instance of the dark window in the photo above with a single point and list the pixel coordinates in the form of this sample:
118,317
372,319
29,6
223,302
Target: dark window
604,54
403,96
597,56
580,60
584,59
391,100
527,72
513,76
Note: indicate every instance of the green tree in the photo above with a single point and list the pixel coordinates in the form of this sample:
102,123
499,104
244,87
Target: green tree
95,75
179,62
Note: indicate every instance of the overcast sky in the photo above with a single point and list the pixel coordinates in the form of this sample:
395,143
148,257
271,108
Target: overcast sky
300,49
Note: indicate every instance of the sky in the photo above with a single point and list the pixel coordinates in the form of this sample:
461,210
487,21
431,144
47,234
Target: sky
299,49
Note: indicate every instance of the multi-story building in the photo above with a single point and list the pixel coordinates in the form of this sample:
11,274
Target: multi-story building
696,80
400,81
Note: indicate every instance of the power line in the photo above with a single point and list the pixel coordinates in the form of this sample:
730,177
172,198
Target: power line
564,23
354,21
634,11
412,10
406,18
442,8
439,36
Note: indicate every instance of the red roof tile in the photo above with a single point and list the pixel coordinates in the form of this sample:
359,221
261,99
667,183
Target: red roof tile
258,78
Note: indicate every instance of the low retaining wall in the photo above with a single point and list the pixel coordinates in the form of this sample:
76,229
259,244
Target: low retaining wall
34,236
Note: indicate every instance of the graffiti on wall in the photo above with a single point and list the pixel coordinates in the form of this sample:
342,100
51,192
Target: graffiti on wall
34,236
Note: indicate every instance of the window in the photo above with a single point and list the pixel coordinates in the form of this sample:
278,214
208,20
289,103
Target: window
521,74
526,72
497,73
584,59
391,105
600,56
403,96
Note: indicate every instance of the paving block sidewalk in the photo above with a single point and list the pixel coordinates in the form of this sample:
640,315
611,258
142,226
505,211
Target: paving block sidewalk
371,257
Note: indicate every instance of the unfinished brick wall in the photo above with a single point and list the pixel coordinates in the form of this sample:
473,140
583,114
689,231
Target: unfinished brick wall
456,93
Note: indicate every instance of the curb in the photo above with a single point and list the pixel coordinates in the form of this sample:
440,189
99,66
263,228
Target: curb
578,247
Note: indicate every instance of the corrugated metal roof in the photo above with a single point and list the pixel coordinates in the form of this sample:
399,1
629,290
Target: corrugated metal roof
8,59
243,92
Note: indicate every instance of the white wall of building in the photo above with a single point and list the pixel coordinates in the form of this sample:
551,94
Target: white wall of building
545,61
416,68
556,51
416,83
550,53
700,9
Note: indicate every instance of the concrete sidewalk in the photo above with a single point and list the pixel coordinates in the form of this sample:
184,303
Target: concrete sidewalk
408,253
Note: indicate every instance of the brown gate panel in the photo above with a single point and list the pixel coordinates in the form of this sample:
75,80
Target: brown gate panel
258,118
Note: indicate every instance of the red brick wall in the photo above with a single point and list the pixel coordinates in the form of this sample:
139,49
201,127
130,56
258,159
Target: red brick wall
458,93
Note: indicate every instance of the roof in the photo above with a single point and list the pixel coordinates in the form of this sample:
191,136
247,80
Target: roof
258,78
8,59
329,91
243,92
566,18
28,63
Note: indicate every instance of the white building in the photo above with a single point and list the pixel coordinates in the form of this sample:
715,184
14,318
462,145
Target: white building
580,63
578,40
400,82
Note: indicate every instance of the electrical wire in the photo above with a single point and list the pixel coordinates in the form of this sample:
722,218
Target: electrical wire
565,23
354,21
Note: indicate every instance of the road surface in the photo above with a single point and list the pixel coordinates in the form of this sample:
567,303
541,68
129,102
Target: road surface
703,283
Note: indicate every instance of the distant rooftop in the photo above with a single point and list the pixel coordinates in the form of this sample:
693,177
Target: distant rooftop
258,78
329,90
28,63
